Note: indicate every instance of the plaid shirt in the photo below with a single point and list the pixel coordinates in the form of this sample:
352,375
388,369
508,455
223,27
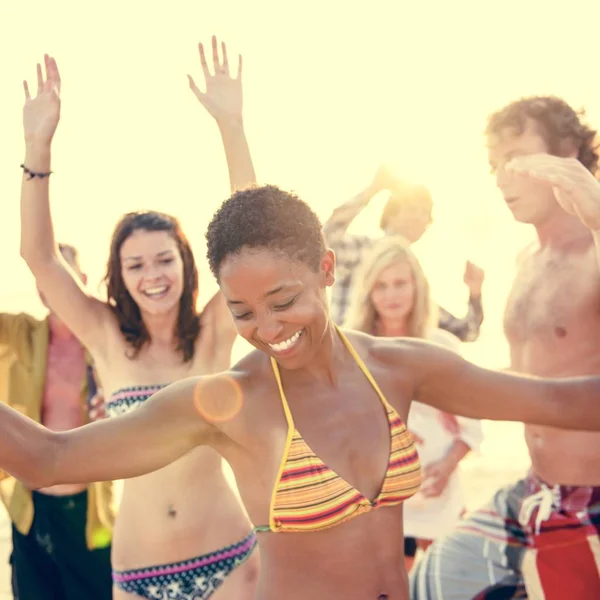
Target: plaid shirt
350,251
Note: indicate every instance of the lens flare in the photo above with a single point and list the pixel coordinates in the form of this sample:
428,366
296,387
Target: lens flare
218,398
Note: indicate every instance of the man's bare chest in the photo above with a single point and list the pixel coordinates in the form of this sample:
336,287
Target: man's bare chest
554,294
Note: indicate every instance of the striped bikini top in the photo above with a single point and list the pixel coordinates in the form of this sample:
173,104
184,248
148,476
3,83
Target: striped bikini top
126,399
309,496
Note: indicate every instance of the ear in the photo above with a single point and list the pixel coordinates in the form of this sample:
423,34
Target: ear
328,268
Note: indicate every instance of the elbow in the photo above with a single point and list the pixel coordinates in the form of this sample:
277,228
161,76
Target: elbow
29,254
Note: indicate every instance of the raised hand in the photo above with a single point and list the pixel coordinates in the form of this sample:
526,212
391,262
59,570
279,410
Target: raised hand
575,188
42,112
223,97
385,179
474,277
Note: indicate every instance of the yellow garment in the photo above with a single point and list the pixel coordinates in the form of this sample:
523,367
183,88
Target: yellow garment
23,356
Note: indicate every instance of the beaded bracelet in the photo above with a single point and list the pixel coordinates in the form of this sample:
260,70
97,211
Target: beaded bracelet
32,174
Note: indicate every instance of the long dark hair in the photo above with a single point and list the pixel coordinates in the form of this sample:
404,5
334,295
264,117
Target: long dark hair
126,310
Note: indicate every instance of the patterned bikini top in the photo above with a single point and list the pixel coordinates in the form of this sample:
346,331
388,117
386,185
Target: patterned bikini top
310,496
126,399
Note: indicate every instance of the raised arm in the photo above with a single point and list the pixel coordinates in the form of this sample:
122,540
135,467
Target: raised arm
452,384
336,226
467,328
162,430
63,290
223,99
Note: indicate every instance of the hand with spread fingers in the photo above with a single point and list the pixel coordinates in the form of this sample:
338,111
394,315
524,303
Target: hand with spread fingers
41,113
223,97
575,188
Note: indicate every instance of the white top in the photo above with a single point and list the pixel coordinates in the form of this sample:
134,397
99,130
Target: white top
430,518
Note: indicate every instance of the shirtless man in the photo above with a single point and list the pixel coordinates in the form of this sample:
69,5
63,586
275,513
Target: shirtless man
540,538
61,535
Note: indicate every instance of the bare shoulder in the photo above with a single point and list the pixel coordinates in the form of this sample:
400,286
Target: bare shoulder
403,357
444,338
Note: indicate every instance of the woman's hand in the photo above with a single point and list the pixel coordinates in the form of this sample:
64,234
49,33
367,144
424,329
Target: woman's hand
223,97
42,112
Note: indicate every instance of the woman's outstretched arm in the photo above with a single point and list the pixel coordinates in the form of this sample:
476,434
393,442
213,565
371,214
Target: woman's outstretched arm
159,432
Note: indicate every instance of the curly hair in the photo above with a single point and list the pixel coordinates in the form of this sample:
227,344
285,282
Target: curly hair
265,217
123,305
557,121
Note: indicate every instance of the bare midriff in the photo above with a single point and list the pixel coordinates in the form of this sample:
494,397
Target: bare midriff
194,510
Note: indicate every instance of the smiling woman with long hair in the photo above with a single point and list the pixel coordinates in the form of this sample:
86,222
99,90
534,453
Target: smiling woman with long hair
392,298
181,531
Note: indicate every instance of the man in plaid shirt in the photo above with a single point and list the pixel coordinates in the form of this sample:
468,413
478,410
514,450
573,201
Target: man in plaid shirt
406,213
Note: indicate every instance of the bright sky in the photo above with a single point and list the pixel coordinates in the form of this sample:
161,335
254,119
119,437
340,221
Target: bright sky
330,91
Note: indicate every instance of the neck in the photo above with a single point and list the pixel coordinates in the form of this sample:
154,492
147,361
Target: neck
559,229
391,327
324,366
161,328
58,329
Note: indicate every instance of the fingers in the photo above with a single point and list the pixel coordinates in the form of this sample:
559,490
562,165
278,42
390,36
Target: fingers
52,82
239,71
97,413
203,61
195,89
52,74
545,165
433,491
215,55
219,65
40,79
225,67
97,399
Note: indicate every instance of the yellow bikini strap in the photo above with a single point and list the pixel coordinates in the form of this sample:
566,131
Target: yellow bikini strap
362,365
284,402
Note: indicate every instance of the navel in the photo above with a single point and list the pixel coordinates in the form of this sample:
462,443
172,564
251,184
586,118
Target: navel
560,332
382,597
171,511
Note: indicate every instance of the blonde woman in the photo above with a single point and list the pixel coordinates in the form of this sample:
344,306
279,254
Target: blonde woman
393,300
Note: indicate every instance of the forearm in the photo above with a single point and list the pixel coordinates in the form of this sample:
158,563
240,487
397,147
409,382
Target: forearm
27,450
456,453
573,403
343,215
37,233
237,153
467,328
